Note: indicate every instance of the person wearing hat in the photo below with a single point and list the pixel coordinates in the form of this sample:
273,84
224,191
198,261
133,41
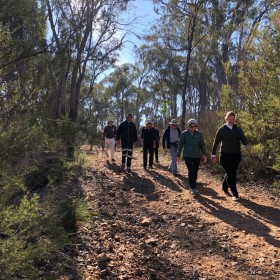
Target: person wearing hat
109,134
170,140
229,135
148,138
192,142
127,134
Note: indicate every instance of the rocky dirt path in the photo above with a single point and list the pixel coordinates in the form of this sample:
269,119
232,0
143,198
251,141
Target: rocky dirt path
150,227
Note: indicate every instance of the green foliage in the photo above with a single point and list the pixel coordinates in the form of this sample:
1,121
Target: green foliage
73,212
26,239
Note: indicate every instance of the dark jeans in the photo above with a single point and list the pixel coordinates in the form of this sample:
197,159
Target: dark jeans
230,163
148,148
192,165
156,154
127,149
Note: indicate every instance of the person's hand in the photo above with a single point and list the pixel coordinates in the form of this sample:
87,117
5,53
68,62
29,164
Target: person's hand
213,159
204,159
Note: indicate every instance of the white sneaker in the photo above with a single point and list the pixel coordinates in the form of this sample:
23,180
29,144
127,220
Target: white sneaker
193,191
234,198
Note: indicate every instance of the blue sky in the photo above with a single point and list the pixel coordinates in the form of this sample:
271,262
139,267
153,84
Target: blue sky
143,11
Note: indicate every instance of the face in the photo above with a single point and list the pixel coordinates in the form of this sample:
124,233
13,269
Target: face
110,123
155,126
174,126
192,127
129,119
149,125
230,120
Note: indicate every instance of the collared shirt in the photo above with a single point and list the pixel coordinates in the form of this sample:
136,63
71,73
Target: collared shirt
174,135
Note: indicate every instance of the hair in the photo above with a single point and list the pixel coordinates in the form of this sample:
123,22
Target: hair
230,114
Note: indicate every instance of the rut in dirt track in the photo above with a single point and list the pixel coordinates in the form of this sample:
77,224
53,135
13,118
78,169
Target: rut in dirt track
150,227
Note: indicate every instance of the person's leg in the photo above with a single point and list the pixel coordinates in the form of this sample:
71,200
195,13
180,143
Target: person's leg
124,153
230,163
192,165
173,154
107,146
129,155
151,155
156,154
112,148
145,156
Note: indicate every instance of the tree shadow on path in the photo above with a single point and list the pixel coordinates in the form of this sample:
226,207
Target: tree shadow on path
267,213
240,221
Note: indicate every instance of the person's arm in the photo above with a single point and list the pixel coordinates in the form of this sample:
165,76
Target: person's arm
164,138
119,132
203,148
134,133
243,139
217,140
181,144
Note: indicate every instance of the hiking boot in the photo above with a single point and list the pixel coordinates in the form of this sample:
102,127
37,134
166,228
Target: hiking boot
128,169
194,191
122,166
235,198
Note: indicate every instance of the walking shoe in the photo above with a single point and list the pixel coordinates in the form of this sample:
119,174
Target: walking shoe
113,160
194,191
128,169
235,198
151,167
145,168
122,166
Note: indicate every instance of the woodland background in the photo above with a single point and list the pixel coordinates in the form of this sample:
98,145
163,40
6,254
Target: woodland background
61,80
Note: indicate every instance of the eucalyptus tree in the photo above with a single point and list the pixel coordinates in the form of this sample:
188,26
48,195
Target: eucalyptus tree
232,26
83,33
181,32
22,31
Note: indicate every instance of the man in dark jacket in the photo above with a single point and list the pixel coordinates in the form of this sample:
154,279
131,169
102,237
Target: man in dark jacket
148,138
127,133
171,137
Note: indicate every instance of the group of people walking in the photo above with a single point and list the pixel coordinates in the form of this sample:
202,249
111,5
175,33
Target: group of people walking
190,141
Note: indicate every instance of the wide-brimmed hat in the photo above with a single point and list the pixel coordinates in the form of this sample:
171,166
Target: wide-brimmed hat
148,121
110,121
174,122
192,121
129,115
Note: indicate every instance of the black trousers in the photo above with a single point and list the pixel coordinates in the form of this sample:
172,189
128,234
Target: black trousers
127,150
192,165
230,163
148,148
156,154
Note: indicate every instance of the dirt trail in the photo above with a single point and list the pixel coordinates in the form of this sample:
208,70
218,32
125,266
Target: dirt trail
150,227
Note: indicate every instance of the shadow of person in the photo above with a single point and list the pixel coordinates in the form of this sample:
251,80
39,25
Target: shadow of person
168,182
133,182
240,221
267,213
209,191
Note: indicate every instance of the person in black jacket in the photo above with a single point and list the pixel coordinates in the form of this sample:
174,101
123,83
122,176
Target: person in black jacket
148,138
157,142
127,133
229,135
171,136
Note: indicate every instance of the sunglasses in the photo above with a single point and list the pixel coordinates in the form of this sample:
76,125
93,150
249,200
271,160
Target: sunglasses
193,126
